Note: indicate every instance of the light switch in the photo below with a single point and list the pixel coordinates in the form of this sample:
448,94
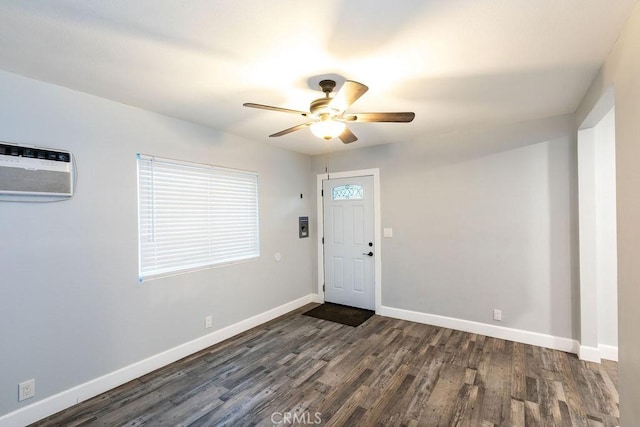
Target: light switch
388,232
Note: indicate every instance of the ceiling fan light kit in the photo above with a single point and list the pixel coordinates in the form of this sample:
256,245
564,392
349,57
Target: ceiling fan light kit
328,119
327,129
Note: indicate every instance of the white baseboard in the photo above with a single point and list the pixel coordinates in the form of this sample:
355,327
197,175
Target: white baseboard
608,352
50,405
317,298
589,354
596,354
517,335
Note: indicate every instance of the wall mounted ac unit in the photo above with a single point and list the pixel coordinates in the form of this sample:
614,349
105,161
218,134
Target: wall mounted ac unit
35,171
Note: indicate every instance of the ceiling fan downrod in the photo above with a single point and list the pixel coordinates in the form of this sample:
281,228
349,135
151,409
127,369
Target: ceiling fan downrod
327,86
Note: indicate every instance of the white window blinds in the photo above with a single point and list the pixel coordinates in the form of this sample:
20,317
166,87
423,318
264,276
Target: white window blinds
193,216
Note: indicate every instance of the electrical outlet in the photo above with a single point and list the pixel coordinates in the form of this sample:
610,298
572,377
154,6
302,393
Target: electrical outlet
208,322
497,314
26,390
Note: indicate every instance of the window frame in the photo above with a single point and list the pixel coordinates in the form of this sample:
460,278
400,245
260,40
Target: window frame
146,199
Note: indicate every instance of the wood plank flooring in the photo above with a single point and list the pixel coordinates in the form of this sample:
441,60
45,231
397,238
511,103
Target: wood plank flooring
298,370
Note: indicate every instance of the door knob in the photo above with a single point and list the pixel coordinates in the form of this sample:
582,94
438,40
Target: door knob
369,254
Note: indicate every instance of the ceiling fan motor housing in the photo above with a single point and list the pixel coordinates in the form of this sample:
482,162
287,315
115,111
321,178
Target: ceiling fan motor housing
321,106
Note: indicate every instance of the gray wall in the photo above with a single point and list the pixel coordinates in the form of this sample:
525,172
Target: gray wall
72,309
622,70
480,220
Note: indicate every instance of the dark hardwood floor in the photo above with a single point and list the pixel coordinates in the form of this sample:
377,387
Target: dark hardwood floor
298,370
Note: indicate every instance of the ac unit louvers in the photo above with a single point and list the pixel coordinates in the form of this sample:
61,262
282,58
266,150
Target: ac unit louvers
35,171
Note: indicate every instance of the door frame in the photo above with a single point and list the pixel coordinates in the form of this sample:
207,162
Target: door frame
377,237
590,348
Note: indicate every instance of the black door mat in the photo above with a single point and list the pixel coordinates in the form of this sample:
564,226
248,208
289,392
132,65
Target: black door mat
350,316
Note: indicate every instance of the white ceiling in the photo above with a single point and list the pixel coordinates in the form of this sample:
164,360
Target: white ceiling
456,63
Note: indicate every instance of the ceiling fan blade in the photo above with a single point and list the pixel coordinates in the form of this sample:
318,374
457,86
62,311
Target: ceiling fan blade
269,107
380,117
347,136
347,95
292,129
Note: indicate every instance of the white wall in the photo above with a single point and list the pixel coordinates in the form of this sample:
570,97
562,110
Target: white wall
622,70
480,228
70,305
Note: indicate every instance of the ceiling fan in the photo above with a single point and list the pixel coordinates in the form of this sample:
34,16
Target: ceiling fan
328,117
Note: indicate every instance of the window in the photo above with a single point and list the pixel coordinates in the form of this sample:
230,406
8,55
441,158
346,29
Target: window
348,192
192,216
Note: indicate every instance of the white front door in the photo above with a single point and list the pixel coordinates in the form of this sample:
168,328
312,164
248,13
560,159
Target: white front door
348,241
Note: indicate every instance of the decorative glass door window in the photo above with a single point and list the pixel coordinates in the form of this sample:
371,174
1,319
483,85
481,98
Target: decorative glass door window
348,192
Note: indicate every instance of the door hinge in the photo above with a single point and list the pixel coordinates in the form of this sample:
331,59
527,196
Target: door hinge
323,240
321,193
322,288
